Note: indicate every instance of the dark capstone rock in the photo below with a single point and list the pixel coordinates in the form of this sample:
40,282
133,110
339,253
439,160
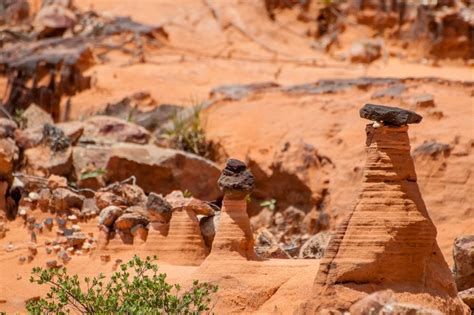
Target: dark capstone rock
391,116
158,206
235,179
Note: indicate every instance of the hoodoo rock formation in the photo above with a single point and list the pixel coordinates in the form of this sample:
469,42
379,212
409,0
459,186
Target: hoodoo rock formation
234,237
388,241
174,234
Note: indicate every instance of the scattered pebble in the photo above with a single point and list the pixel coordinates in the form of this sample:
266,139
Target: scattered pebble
105,258
52,264
34,196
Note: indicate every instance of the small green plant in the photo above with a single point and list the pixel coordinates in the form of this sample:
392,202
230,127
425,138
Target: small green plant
187,194
187,134
270,204
136,288
93,173
19,119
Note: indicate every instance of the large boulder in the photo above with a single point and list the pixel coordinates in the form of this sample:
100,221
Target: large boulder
29,137
105,129
89,163
43,161
63,199
72,129
463,253
128,220
35,116
52,156
164,170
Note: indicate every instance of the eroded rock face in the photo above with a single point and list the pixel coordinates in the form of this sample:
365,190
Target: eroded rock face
463,253
180,242
388,240
164,170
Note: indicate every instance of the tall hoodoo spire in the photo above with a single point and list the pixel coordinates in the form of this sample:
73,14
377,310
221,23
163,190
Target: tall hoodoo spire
234,236
388,240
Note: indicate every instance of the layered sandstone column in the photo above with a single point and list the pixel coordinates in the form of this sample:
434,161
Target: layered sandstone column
234,237
388,240
174,234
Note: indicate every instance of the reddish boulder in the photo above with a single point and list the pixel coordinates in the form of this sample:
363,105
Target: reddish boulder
105,129
164,170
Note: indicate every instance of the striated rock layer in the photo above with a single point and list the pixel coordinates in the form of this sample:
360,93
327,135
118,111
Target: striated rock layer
234,237
389,240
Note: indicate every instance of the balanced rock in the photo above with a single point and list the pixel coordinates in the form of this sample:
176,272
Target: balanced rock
388,240
159,208
390,116
235,180
164,170
128,220
234,239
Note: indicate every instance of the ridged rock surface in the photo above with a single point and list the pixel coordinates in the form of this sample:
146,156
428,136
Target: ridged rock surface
234,239
388,241
183,245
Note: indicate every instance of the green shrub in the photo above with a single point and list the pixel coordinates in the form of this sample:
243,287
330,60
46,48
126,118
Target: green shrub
186,133
136,288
